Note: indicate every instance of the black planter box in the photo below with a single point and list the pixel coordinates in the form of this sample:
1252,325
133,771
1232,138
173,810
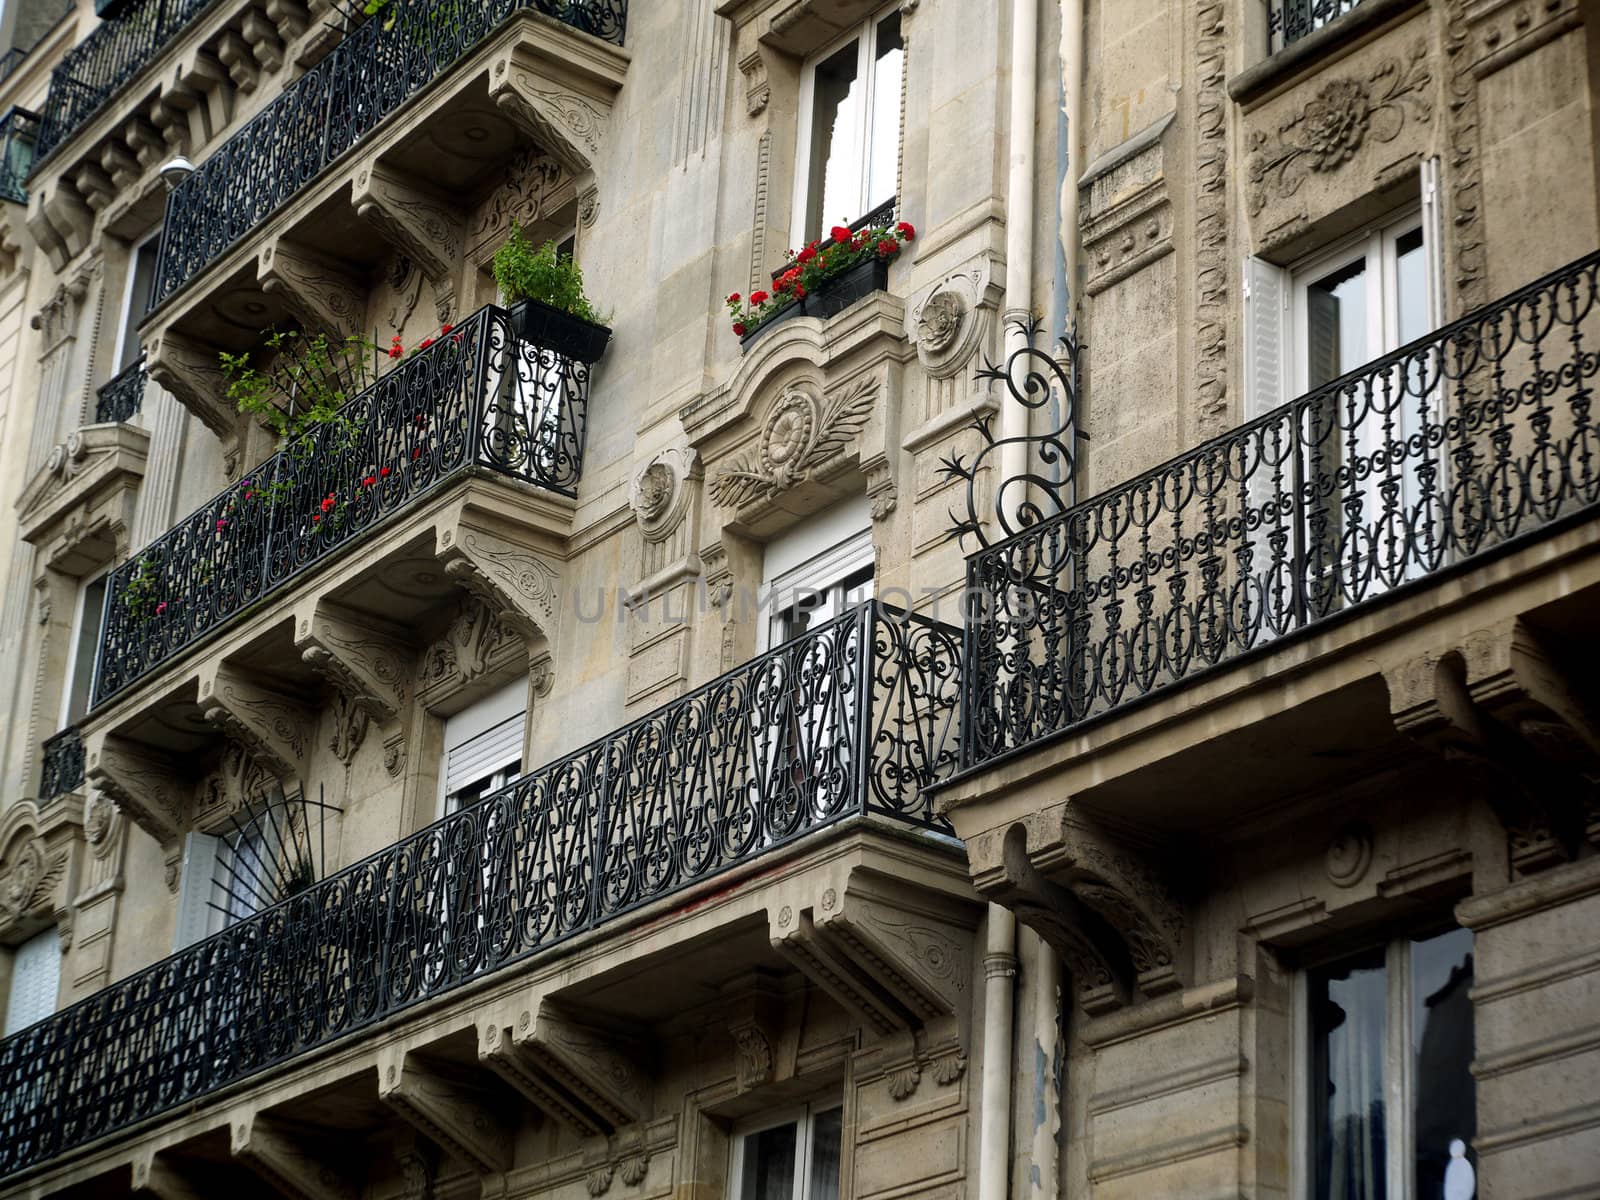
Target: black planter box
573,337
838,294
792,309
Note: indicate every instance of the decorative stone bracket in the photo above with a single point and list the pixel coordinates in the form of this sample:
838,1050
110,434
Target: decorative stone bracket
448,1105
1097,901
413,218
562,101
144,785
190,370
157,1177
1503,707
291,1161
373,667
593,1080
507,574
898,956
322,294
273,727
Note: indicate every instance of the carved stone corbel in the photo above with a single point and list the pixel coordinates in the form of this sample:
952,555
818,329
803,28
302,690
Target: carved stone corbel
261,35
156,1177
190,370
372,666
293,1163
139,782
755,1022
60,222
443,1103
568,120
517,584
273,727
591,1079
413,218
322,294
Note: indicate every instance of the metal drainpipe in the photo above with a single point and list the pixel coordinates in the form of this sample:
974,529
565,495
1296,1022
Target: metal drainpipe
994,1135
1063,309
1019,223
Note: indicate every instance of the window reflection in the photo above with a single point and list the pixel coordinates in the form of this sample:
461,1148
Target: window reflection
1445,1102
1347,1041
835,140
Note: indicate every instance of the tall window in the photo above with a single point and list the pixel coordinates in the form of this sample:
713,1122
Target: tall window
849,148
794,1156
85,642
483,747
136,300
35,976
816,571
1389,1096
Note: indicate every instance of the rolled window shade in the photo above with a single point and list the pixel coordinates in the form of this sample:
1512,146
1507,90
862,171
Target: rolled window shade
484,754
35,974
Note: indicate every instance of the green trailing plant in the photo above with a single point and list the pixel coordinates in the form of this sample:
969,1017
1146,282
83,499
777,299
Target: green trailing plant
543,274
301,384
141,597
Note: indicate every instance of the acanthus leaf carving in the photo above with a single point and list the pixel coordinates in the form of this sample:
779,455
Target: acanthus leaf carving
800,435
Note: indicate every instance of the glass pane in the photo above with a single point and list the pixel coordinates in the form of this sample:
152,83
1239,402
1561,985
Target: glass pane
1411,286
144,273
1444,1101
1347,1049
834,177
769,1164
825,1137
1336,324
83,651
884,164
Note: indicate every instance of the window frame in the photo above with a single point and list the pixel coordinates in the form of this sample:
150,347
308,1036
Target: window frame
135,248
1399,1070
804,1117
79,608
487,713
865,32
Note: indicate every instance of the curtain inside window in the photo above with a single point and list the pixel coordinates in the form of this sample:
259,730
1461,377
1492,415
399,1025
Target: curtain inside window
1348,1030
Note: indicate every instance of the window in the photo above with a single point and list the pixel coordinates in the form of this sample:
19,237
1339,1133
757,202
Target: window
483,748
849,151
35,976
136,300
792,1157
816,571
85,643
1388,1096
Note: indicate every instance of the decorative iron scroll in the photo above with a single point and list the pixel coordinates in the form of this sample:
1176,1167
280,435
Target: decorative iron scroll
19,131
329,109
273,853
1290,20
850,718
478,398
1456,445
121,396
63,765
1033,377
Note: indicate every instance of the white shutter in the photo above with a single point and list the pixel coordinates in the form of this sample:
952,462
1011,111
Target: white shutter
196,918
485,754
1433,240
1266,299
35,976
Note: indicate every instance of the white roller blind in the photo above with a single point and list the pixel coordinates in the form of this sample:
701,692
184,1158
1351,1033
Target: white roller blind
35,976
484,754
196,918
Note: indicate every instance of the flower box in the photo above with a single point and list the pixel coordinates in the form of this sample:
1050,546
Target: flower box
844,289
795,308
570,336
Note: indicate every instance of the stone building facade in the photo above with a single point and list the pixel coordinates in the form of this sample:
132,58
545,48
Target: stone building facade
507,789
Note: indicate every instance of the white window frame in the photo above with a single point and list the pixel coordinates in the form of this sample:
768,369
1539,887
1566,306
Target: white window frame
40,953
79,606
127,297
816,555
866,63
804,1117
504,704
1399,1074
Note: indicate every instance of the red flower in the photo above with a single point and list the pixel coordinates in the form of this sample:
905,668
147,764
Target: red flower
807,253
758,297
733,297
446,327
456,338
424,343
327,503
316,518
799,291
840,233
887,247
738,329
906,230
221,524
383,474
416,454
369,481
395,351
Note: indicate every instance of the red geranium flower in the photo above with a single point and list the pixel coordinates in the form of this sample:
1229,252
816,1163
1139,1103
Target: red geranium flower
395,351
758,297
887,247
840,233
384,474
369,481
738,329
807,253
416,454
424,343
799,291
446,327
906,230
733,298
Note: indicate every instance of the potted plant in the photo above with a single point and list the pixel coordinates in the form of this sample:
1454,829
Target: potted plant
822,278
545,291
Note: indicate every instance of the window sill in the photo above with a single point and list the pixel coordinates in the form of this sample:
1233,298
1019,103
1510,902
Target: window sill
1254,83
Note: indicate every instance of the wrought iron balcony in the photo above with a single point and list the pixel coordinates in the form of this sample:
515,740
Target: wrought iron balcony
1463,443
845,721
122,395
63,765
1290,20
479,398
19,131
94,70
330,109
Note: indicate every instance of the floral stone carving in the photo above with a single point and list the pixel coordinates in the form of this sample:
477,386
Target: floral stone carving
802,432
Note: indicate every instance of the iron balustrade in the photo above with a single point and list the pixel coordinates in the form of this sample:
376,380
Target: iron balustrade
477,398
122,395
1453,446
63,765
116,50
847,720
1290,20
331,108
19,132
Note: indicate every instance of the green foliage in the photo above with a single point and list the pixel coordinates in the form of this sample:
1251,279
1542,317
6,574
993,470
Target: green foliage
302,383
139,597
524,273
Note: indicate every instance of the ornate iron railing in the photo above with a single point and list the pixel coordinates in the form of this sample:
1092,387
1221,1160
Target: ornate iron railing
1290,20
1453,446
331,108
122,395
63,765
849,719
479,397
114,52
19,131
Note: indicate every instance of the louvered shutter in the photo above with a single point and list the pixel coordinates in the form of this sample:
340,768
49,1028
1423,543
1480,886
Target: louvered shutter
485,754
35,976
197,919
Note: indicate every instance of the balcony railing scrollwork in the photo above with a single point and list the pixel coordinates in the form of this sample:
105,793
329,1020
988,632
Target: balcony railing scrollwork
63,765
1456,445
120,397
850,719
329,109
478,398
1290,20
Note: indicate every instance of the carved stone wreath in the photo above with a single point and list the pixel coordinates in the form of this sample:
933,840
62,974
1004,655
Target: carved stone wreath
659,493
801,433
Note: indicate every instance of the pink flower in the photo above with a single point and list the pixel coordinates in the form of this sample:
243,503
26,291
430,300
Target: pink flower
161,608
221,524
